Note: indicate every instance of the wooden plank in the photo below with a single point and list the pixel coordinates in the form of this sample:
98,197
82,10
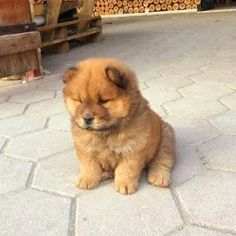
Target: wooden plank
75,36
14,12
63,47
73,22
15,43
18,63
53,11
87,11
19,28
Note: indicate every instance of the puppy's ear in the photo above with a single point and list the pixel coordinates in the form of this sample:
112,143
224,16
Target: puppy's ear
116,76
69,74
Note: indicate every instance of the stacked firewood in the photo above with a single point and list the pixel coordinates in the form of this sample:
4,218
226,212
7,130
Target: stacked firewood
112,7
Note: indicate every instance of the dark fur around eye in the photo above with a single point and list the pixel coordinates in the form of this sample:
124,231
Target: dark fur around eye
103,101
77,100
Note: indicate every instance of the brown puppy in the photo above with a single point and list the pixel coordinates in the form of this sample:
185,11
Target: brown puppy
114,130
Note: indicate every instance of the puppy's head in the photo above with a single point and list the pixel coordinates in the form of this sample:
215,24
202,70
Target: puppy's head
100,93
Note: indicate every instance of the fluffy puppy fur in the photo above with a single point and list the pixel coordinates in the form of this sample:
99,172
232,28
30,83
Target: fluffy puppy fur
114,130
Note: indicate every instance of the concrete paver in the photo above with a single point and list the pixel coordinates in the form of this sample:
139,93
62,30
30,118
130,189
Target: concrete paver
36,145
205,90
194,108
13,174
191,130
31,96
226,122
188,165
232,84
197,231
171,81
51,84
229,101
34,213
11,109
210,199
46,108
16,125
58,173
151,211
186,68
213,75
60,122
220,153
2,142
155,96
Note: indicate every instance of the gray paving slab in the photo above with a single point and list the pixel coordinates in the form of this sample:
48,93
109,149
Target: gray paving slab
34,213
151,211
210,199
39,144
13,174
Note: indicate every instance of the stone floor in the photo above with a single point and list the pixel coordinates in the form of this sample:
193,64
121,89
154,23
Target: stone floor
186,68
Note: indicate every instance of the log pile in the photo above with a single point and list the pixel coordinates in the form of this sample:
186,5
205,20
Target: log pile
114,7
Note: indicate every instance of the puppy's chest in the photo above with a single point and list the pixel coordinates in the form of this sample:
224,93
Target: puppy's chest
118,146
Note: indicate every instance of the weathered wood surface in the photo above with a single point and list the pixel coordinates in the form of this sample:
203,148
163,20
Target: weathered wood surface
14,12
18,63
16,43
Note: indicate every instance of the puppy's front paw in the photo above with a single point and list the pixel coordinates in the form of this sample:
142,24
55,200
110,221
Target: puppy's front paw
125,187
87,183
159,178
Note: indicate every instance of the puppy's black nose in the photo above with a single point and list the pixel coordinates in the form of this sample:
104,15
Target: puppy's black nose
88,119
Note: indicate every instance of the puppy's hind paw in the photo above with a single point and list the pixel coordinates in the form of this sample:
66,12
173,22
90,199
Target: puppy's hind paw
87,183
160,179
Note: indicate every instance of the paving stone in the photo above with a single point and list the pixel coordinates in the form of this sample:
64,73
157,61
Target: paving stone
196,108
2,142
158,109
226,71
226,122
179,71
18,88
150,211
59,94
51,84
232,84
36,145
205,90
34,213
13,174
60,122
32,96
188,164
210,199
220,153
229,101
11,109
158,97
47,108
146,75
142,85
21,124
197,231
191,130
169,82
58,173
213,76
3,97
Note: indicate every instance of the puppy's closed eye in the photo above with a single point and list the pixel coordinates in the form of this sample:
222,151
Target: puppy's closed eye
103,101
